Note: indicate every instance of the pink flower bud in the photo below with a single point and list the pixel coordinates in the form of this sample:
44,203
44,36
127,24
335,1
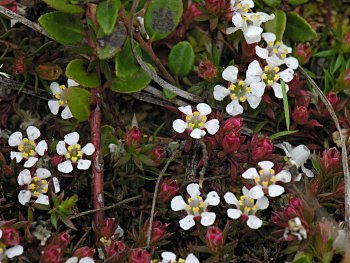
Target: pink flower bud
158,231
84,252
157,154
215,239
261,148
51,254
233,124
301,115
140,256
291,212
303,53
332,98
109,227
216,7
61,239
133,137
10,236
115,247
331,157
207,70
297,203
168,189
55,160
347,39
19,66
231,143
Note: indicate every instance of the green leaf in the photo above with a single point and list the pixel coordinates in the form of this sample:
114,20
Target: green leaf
302,257
79,100
131,84
277,25
162,17
280,134
273,3
168,94
107,14
181,59
285,104
54,220
76,70
125,62
65,28
298,29
62,5
325,53
108,46
297,2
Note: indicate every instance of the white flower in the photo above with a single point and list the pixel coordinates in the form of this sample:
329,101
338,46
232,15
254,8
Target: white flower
276,52
59,91
9,252
36,186
196,121
82,260
266,180
297,156
239,91
195,207
295,228
250,24
74,153
269,76
241,6
169,257
246,207
28,148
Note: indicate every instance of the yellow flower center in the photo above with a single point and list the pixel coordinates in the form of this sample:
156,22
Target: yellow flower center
239,91
247,205
195,205
61,96
38,186
265,178
74,153
270,75
196,121
27,148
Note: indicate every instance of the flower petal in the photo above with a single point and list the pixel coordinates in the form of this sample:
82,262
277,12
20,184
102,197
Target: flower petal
56,184
30,162
275,190
234,108
284,176
212,198
197,133
287,75
43,173
16,155
231,199
208,218
193,190
253,100
72,260
204,109
83,164
212,126
251,173
54,106
14,251
230,74
258,88
86,260
254,69
61,148
292,63
41,147
277,89
168,256
269,37
187,222
307,171
261,52
256,192
220,92
245,191
191,259
299,155
178,203
253,34
254,222
187,110
65,167
15,139
234,213
179,125
33,133
24,177
72,138
42,199
266,165
66,113
88,149
262,203
24,196
72,83
237,20
55,88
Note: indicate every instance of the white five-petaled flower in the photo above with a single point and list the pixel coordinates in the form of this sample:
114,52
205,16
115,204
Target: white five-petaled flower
195,207
36,186
196,122
74,153
266,180
28,148
81,260
297,156
59,91
238,91
276,52
9,252
170,257
246,207
250,24
270,75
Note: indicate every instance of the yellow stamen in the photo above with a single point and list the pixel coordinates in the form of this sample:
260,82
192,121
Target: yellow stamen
272,171
31,186
201,204
25,140
20,147
275,50
36,179
241,83
286,159
191,125
70,148
195,209
79,154
189,200
276,69
248,90
273,179
243,98
187,207
25,155
188,117
199,197
251,200
233,96
196,113
36,193
265,183
232,87
267,68
201,124
204,118
31,152
254,208
270,82
276,77
68,155
62,87
58,96
246,208
283,55
257,179
261,172
74,159
61,102
264,76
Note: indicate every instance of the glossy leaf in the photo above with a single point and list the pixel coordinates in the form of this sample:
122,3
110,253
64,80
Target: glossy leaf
181,59
298,29
76,70
62,5
134,83
107,14
125,62
277,25
79,100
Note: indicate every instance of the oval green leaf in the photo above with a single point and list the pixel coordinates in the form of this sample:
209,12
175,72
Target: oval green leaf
76,70
125,62
61,5
181,59
107,14
277,25
273,3
79,100
109,45
65,28
162,17
134,83
298,29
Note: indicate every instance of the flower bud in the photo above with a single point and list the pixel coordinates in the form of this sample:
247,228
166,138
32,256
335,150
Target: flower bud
10,236
51,254
140,256
55,160
133,137
48,71
261,148
158,231
332,98
84,252
301,115
19,66
61,239
331,157
215,239
297,203
207,70
168,189
115,247
291,212
108,228
233,124
216,7
303,53
191,13
157,154
231,143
